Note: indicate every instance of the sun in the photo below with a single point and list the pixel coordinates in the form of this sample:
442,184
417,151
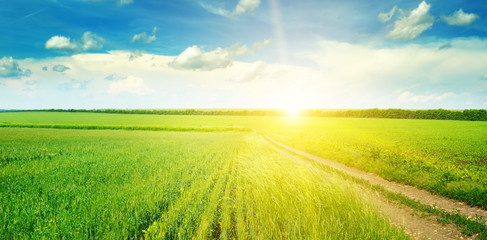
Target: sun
293,111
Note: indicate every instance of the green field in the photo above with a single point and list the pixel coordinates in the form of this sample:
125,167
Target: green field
214,177
445,157
129,184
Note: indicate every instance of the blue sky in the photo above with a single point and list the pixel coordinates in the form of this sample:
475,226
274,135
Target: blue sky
243,54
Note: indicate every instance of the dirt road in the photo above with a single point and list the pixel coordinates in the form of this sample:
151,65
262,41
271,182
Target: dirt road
417,227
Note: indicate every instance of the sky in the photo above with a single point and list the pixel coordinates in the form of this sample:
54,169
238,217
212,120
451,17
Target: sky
91,54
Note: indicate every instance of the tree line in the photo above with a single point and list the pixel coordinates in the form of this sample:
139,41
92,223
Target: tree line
439,114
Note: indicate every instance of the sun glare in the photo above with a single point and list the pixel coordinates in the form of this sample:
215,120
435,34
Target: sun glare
293,111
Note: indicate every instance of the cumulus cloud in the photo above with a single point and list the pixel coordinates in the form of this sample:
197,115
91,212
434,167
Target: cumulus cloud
88,41
196,59
9,68
329,83
142,37
91,41
242,7
414,24
74,85
61,43
60,68
253,72
385,17
410,64
460,18
136,54
129,84
408,96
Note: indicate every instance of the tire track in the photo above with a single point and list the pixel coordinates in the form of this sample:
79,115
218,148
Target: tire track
415,226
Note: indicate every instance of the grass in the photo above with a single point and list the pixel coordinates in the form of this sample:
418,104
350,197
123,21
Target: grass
90,184
445,157
102,119
132,128
470,226
79,184
267,196
250,187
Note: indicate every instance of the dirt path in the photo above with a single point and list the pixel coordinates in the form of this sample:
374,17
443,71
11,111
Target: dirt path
417,227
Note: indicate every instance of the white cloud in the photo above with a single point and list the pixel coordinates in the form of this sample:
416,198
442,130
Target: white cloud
91,41
407,97
114,77
9,68
341,75
385,17
259,45
196,59
88,41
460,18
142,37
61,43
74,84
215,10
130,84
366,67
242,7
252,72
59,68
245,6
136,54
414,24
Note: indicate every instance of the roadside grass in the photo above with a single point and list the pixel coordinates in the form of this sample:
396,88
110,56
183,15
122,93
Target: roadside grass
448,158
470,226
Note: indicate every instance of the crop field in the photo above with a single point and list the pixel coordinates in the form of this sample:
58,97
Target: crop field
445,157
117,176
64,183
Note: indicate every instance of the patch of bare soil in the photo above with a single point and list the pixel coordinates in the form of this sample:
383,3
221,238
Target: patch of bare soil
414,225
